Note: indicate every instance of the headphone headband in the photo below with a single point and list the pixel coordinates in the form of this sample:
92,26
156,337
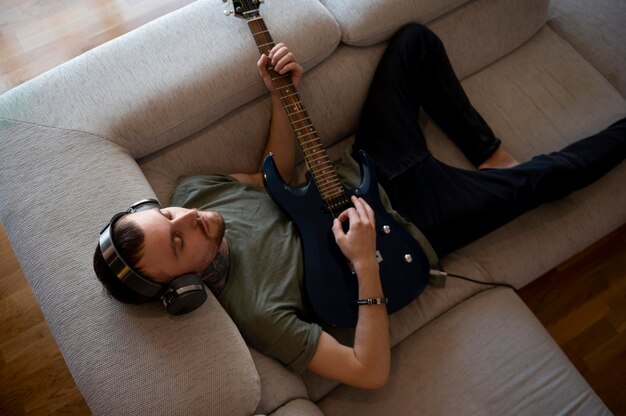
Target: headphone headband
118,265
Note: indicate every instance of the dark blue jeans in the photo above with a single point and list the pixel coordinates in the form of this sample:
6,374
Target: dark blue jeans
453,206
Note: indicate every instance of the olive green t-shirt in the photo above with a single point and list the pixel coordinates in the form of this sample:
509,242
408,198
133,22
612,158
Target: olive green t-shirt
264,291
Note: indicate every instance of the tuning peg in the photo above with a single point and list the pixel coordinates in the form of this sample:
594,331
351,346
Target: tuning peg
228,12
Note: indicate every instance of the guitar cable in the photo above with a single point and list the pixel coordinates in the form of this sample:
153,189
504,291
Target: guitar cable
438,279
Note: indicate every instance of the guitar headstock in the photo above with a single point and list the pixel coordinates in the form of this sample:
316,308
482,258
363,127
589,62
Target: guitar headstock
244,9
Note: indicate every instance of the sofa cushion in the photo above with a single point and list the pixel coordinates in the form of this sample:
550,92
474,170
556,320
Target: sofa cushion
279,385
480,32
371,22
431,303
539,99
487,356
298,407
597,30
333,93
368,23
171,77
59,188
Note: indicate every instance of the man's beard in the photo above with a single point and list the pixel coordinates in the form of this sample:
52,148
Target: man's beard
215,225
220,229
216,274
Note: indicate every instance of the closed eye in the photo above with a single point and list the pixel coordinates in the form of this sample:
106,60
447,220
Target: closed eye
175,245
178,241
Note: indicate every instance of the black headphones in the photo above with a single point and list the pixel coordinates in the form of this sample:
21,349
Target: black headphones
183,294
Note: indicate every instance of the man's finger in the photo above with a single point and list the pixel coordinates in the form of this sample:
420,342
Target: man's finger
359,205
338,229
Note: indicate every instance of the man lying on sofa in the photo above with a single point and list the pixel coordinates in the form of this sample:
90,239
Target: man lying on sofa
231,236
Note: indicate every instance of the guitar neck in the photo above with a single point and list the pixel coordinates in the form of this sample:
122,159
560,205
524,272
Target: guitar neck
315,155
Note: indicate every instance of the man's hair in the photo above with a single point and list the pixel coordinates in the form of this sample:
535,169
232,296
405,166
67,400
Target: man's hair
129,240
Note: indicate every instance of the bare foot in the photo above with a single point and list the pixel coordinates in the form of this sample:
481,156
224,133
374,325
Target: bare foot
500,159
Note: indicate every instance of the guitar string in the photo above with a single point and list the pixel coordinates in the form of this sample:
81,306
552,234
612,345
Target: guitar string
319,164
329,187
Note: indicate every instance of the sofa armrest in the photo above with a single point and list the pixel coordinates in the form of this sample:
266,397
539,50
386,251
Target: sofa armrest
59,188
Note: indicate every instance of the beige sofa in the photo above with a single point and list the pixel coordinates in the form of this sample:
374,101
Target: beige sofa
181,96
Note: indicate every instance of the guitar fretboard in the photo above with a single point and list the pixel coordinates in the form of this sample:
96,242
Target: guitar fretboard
315,155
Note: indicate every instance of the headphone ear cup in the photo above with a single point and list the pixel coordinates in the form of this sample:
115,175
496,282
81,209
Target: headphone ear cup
184,294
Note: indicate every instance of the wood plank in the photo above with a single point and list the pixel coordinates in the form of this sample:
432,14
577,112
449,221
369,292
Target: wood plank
589,319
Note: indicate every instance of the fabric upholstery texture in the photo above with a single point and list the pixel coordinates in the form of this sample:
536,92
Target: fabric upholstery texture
372,22
368,23
537,88
492,353
172,91
278,384
298,407
333,102
537,100
597,30
91,137
479,33
104,342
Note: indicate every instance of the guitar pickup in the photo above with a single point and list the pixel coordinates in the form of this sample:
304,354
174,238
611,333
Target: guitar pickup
379,259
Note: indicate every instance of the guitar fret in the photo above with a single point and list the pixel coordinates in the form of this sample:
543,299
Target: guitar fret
307,126
331,177
313,169
315,139
260,32
329,196
307,134
316,148
296,112
312,131
284,86
331,174
313,152
280,77
336,194
316,157
330,191
330,185
327,180
287,96
328,177
319,158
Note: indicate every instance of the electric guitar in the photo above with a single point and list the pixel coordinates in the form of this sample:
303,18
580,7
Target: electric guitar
331,285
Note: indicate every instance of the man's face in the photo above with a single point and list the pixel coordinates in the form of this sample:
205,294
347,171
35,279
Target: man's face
178,241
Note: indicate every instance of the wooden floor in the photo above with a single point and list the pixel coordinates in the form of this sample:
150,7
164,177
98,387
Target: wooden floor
582,302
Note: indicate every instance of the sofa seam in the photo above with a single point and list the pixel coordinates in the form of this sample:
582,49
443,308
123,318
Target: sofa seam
55,128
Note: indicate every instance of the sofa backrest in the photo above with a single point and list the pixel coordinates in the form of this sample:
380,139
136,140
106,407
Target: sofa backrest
123,121
161,83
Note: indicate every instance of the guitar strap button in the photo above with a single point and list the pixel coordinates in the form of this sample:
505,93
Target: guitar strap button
408,258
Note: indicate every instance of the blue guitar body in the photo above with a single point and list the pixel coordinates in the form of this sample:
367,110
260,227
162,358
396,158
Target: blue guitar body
331,285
